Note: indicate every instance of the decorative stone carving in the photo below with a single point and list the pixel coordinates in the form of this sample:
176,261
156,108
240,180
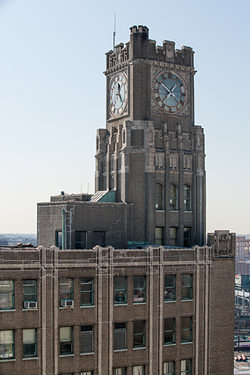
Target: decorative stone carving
223,243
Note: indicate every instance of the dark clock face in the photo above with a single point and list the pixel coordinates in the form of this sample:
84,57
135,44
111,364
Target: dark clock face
118,94
169,92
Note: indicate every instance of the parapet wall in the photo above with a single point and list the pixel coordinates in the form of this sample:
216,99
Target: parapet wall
140,46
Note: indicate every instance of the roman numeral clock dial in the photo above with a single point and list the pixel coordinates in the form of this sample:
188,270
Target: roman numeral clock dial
169,93
118,94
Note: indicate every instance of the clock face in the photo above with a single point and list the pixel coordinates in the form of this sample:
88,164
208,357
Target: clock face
169,92
118,94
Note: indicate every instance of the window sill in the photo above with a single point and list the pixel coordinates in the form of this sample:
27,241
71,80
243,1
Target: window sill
187,300
7,310
87,306
30,309
120,350
121,304
188,342
7,360
174,300
30,358
172,344
66,355
139,303
140,348
90,353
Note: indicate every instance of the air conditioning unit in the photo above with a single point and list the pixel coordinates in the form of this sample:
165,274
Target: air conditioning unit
30,304
67,303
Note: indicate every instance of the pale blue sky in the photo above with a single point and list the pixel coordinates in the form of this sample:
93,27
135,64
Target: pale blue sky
52,96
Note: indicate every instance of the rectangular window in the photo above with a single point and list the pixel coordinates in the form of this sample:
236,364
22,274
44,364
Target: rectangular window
159,236
169,368
29,343
87,291
86,344
187,198
66,340
139,334
187,237
139,289
66,293
120,371
7,294
120,336
80,240
138,370
120,290
58,239
99,239
29,294
170,288
7,344
186,329
173,236
173,198
187,287
169,331
186,367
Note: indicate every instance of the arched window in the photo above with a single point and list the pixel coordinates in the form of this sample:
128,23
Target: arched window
173,199
187,198
159,198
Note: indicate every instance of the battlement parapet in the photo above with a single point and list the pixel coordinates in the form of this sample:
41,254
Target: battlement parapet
140,46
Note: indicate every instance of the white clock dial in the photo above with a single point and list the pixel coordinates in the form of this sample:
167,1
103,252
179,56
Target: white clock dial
118,94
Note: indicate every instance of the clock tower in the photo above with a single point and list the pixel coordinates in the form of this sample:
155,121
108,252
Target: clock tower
151,154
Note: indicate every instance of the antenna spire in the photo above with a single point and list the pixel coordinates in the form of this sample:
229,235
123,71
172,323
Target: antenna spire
114,32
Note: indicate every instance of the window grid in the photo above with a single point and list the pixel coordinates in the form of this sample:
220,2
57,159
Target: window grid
120,290
187,198
29,292
66,340
7,345
159,197
169,331
139,334
86,339
187,287
159,236
7,294
170,288
186,329
169,368
139,289
87,291
66,292
120,336
29,343
173,200
138,370
186,367
120,371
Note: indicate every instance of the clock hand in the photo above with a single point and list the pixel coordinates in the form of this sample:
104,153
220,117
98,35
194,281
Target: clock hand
165,87
173,88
